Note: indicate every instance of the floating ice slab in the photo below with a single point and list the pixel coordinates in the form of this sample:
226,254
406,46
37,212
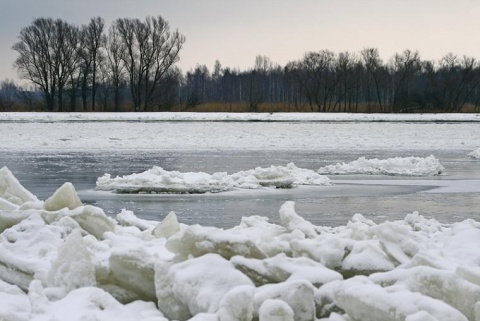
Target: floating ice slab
401,166
158,180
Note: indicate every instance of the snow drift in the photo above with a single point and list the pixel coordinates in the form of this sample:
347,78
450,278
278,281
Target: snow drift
62,260
158,180
402,166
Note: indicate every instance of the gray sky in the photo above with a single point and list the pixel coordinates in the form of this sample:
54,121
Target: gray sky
234,32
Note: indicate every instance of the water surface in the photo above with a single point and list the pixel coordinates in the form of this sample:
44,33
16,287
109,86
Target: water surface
334,205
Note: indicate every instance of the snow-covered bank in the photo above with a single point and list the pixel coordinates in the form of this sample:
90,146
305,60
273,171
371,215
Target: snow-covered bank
262,117
62,260
158,180
401,166
132,137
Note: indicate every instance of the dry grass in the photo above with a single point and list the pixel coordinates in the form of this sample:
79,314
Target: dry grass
243,107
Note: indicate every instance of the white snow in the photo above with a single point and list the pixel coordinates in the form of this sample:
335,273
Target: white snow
61,260
66,261
475,154
401,166
133,132
158,180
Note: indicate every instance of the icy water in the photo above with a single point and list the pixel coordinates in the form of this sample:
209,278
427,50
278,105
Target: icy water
376,197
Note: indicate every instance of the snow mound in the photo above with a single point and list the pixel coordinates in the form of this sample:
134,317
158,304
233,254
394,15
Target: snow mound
475,154
401,166
158,180
72,262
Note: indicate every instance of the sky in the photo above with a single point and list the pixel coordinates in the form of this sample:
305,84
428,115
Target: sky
235,32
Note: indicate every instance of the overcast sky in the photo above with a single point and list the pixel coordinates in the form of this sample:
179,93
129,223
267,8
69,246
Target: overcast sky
234,32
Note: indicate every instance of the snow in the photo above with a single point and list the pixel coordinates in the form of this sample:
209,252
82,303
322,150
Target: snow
63,260
401,166
475,154
418,268
133,132
158,180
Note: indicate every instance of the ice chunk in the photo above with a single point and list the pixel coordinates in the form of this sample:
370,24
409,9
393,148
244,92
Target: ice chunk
237,304
304,176
128,218
11,189
167,227
134,271
365,258
364,300
292,221
65,196
15,305
277,176
27,250
282,268
195,286
271,239
275,310
438,284
398,241
254,269
73,267
93,220
125,263
475,154
89,303
38,300
158,180
297,294
10,218
402,166
327,249
469,273
196,240
7,206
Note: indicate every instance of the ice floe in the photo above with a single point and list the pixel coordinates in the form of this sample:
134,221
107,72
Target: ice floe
158,180
62,260
402,166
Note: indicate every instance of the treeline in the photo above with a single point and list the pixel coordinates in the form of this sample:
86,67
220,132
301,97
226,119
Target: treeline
130,66
346,82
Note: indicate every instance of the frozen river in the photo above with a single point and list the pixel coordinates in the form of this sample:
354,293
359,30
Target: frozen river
45,150
376,197
79,261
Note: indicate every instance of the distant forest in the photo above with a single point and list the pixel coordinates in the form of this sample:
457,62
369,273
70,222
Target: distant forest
130,66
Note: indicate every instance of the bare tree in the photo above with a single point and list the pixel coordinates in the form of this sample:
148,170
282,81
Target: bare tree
94,41
36,59
65,49
114,63
314,76
150,49
406,67
373,64
47,49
